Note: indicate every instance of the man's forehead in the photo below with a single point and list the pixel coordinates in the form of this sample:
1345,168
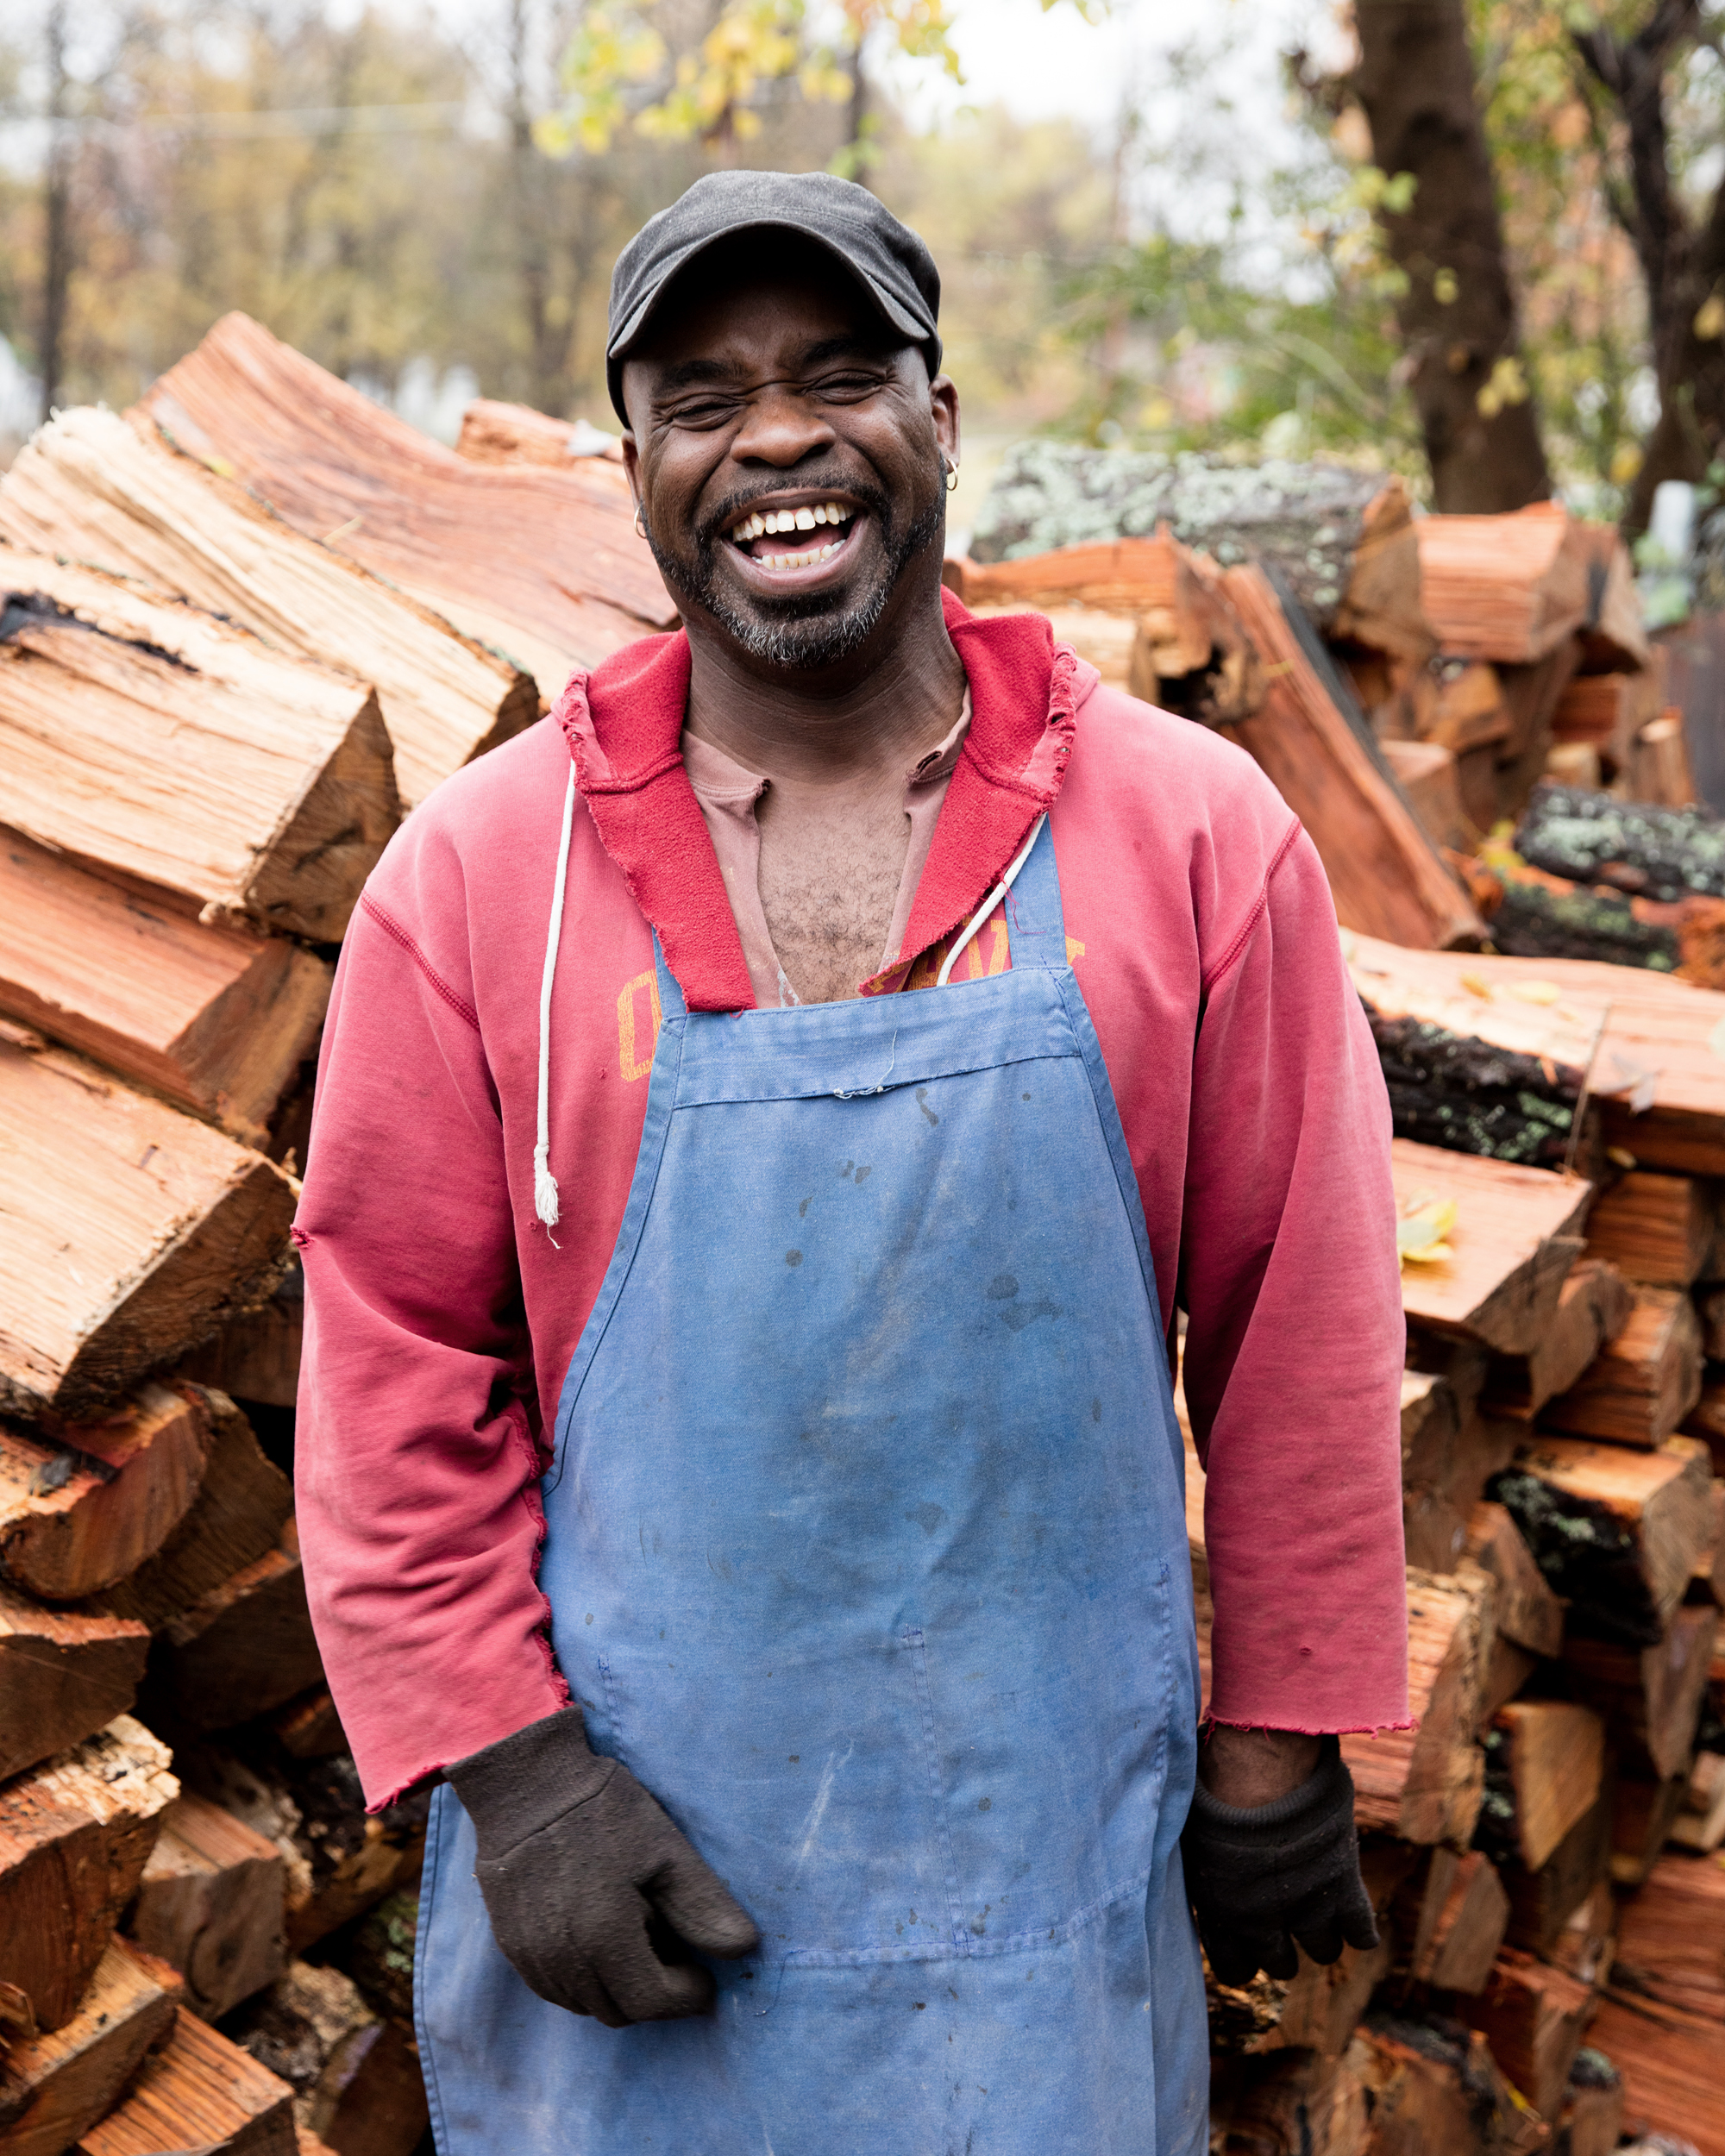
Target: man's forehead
774,321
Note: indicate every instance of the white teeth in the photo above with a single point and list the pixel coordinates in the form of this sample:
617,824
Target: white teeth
800,561
775,520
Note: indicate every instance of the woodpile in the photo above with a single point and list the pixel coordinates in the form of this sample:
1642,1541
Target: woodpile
248,626
1549,1016
212,717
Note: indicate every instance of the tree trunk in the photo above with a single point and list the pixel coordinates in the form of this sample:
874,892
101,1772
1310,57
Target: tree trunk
1458,314
1681,262
57,211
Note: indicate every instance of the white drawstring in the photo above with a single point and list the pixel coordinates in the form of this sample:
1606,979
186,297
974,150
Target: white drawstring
544,1182
989,903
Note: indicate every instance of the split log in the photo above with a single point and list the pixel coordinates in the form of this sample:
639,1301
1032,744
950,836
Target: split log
1586,1945
1614,1531
1424,1784
1607,712
381,1960
1185,649
215,1018
1524,1607
1642,1383
1590,2122
1432,2083
1531,697
1671,1938
1533,2018
199,2095
1386,877
79,1514
1468,711
1706,1420
1318,2007
1543,1763
309,1728
52,2088
255,1356
212,1903
356,2077
1660,770
158,742
1700,1825
544,565
1661,1082
1595,1306
75,1833
371,2098
133,1230
1534,914
87,485
1430,783
1431,1417
1635,847
497,433
1516,1234
1499,1072
64,1674
1651,1697
1345,541
246,1647
1509,1671
1669,2062
1504,588
1616,633
1292,2104
1656,1230
1643,1816
1709,1304
1454,1921
341,1860
1543,1902
240,1508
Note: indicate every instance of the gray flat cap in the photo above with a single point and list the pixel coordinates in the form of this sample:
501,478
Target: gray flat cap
886,258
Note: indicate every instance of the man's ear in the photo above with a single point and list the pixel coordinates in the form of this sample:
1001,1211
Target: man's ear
631,464
943,404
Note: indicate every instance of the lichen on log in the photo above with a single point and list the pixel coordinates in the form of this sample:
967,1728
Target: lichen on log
1307,518
1456,1090
1637,846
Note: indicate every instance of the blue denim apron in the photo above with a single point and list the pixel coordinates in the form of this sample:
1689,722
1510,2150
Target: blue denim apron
865,1552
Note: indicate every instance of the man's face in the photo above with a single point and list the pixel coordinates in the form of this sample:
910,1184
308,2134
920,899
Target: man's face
779,400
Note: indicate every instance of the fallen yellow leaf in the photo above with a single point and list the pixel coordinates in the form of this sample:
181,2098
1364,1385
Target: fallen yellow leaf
1537,992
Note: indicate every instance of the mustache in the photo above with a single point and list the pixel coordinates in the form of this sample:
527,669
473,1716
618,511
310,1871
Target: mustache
717,524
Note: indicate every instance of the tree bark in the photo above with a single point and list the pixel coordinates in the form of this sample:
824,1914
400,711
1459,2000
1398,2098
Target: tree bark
1458,314
1682,262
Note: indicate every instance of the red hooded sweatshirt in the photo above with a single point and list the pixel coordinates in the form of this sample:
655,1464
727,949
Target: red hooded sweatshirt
440,1314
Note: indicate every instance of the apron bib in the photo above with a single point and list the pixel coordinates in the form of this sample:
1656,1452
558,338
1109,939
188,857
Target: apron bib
865,1552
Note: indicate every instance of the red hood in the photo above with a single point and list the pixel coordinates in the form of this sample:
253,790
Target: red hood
624,723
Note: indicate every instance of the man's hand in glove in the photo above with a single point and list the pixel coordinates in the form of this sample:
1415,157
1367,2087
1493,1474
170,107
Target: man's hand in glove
1271,1856
591,1892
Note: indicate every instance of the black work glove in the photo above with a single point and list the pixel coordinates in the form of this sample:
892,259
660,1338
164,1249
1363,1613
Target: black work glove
592,1893
1262,1878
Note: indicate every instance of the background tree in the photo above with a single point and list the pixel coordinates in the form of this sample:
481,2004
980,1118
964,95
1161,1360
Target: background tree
1457,310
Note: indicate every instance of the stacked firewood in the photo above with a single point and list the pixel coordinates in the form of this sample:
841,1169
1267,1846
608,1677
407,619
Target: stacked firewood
242,631
1469,719
246,628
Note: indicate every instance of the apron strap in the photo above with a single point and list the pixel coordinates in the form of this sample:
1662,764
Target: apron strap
1036,924
671,1004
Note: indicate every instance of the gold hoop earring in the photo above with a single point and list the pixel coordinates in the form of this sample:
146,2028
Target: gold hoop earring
640,522
951,475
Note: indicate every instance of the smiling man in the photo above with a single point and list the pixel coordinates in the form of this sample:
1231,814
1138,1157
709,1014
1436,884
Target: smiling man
769,1115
